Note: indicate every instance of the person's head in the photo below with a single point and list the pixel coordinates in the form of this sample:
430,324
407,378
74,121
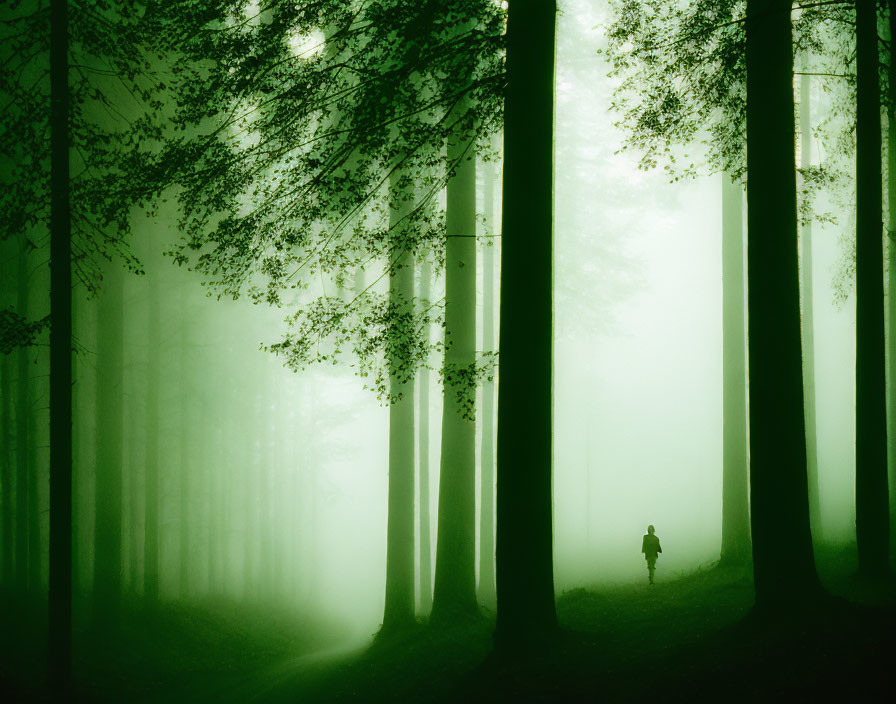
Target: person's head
650,529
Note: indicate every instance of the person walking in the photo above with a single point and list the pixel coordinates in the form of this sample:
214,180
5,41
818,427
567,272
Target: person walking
650,546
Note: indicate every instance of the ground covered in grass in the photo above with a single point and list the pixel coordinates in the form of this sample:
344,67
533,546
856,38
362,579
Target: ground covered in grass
692,637
177,651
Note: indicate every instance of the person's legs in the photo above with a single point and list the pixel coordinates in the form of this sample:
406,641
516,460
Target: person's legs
651,566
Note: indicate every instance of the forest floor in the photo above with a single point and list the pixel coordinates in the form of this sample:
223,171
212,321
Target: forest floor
691,638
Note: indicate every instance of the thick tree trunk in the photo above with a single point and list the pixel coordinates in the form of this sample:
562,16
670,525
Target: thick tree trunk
486,588
398,612
425,558
735,491
60,596
23,431
524,559
454,592
808,317
872,511
109,409
151,468
783,562
891,279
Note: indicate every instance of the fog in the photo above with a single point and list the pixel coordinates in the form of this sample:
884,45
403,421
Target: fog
273,484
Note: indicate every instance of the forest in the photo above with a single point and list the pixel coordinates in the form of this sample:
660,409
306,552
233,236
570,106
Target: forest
447,350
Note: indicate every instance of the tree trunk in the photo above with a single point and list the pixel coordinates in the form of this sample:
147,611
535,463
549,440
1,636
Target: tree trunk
783,562
454,593
151,468
109,409
735,492
891,279
184,465
486,589
872,511
808,317
23,431
425,559
60,596
398,612
524,559
6,473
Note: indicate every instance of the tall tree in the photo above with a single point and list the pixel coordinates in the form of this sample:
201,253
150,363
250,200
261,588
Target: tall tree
151,464
398,612
23,429
60,596
184,488
872,510
454,593
891,280
6,473
524,547
424,559
808,311
783,561
60,65
109,454
486,588
735,491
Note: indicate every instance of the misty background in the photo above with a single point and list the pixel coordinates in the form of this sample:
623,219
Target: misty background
637,402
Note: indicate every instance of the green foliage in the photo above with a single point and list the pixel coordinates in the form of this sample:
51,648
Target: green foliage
113,98
681,68
299,125
16,331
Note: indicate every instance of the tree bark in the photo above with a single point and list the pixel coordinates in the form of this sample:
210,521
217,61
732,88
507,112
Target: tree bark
454,592
872,510
735,491
524,555
783,561
60,595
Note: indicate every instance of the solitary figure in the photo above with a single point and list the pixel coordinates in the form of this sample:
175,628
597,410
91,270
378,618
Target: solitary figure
650,546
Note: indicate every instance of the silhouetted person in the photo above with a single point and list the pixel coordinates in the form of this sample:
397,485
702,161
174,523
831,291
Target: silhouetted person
650,546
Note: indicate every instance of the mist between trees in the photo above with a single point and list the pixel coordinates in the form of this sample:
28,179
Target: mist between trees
362,296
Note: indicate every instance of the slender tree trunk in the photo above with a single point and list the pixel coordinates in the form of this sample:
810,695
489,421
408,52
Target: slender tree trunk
399,607
425,559
184,464
60,596
109,458
23,431
891,279
151,467
872,510
486,589
783,562
524,559
808,317
454,593
6,473
735,491
77,446
131,480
